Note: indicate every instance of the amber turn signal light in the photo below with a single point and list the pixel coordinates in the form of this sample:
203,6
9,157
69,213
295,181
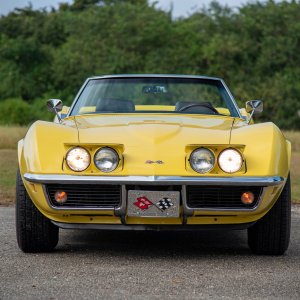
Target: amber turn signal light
60,197
247,198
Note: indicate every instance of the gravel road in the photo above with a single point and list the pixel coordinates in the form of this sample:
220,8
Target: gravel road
147,265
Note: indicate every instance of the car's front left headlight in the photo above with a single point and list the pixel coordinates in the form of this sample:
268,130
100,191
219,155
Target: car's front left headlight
202,160
230,160
78,159
106,159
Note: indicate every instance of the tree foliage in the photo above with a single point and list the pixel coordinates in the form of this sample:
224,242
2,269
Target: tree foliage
254,48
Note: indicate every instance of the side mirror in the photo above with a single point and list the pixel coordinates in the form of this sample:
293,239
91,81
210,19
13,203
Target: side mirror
55,106
254,107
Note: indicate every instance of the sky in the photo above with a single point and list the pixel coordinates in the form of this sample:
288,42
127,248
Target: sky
180,7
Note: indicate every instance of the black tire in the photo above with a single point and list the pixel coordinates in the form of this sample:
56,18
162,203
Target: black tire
271,234
35,233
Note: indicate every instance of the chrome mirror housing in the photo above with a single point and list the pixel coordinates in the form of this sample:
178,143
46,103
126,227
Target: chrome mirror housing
254,107
55,106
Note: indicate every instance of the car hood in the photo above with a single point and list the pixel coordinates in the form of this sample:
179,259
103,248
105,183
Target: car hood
153,137
154,130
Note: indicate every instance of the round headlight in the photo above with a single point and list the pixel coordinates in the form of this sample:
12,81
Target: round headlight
106,159
230,160
78,159
202,160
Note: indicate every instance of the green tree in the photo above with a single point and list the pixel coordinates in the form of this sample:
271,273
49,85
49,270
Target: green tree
254,48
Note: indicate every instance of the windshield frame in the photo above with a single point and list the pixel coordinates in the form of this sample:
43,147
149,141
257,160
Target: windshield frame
236,111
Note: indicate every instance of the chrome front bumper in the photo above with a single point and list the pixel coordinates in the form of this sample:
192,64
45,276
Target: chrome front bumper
153,180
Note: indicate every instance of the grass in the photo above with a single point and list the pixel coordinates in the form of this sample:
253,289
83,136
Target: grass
9,136
295,176
294,138
8,167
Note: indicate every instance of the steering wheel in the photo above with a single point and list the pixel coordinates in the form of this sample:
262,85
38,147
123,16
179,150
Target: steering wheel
199,104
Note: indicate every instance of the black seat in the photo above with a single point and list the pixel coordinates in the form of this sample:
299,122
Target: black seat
115,106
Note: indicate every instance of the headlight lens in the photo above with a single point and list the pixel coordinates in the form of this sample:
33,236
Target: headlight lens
230,160
78,159
202,160
106,159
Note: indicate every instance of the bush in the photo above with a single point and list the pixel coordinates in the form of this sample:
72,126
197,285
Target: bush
40,110
19,112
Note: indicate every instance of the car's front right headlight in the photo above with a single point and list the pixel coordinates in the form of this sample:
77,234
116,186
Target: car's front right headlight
78,159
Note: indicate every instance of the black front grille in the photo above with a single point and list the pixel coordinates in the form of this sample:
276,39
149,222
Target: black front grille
227,197
86,195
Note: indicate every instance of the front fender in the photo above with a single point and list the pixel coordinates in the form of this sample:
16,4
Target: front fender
289,152
267,152
43,147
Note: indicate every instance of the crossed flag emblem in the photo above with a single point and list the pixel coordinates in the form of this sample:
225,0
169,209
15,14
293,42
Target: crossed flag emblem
144,203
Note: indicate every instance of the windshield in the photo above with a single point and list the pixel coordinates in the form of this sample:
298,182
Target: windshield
154,95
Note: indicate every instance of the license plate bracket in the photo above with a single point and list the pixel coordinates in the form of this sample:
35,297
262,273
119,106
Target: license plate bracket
157,204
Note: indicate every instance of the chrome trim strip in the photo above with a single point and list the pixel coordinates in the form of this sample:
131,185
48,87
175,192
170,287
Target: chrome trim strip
154,180
151,227
154,76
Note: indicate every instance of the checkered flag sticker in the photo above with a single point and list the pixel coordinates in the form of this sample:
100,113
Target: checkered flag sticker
164,203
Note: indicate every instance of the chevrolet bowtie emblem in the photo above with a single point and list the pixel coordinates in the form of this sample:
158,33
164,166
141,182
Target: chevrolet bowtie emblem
150,162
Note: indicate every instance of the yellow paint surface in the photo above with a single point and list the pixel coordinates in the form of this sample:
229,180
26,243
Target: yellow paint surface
140,137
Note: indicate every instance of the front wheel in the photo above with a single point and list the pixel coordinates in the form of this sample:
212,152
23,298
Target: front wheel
271,234
35,233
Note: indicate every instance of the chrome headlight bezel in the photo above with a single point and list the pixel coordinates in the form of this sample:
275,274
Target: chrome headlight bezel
115,163
240,161
212,157
87,156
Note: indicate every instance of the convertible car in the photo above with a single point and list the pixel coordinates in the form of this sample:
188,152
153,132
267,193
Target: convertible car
154,152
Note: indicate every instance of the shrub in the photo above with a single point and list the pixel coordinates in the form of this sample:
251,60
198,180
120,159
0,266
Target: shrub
19,112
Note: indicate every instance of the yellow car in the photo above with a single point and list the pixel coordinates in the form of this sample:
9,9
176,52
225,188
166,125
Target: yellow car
154,152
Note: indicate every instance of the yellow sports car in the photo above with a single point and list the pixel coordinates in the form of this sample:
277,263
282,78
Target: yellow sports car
154,152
